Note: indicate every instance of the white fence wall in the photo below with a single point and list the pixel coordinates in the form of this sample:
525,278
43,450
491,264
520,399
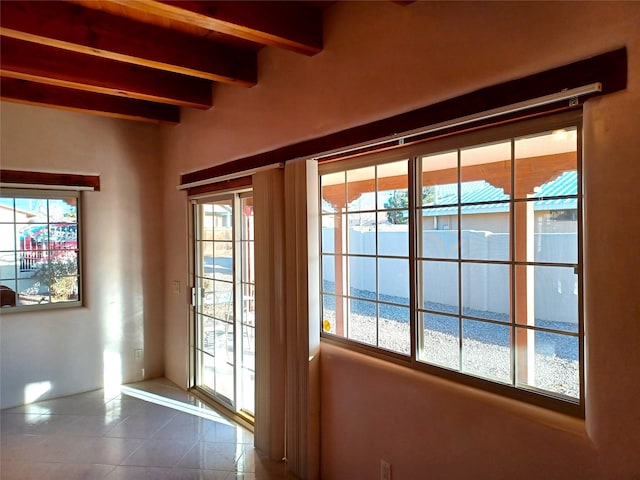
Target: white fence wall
485,286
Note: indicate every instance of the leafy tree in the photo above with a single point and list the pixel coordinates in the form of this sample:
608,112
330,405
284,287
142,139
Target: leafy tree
59,276
428,195
400,200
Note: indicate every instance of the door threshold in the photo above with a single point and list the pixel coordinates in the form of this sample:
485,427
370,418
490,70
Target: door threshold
244,419
247,416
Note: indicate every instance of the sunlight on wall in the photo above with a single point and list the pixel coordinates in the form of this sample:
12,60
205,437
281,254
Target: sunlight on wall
33,391
112,373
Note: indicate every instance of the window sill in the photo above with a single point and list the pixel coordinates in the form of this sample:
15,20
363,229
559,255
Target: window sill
39,308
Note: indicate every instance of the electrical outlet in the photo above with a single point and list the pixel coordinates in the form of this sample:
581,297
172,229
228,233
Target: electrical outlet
385,470
176,287
138,353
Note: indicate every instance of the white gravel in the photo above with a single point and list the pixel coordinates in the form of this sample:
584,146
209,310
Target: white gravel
550,372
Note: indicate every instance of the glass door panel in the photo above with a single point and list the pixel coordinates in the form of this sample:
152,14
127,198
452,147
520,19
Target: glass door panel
247,325
223,300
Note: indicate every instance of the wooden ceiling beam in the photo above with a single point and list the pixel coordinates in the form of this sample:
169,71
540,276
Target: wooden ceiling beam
289,25
54,66
31,93
84,30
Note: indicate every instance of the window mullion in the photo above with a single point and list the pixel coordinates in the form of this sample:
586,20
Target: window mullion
581,346
377,258
236,250
512,268
345,303
48,250
16,249
459,230
414,329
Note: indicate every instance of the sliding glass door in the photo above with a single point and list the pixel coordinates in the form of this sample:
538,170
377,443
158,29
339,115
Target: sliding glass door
223,299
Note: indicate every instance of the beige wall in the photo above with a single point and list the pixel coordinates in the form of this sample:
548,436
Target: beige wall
380,59
59,352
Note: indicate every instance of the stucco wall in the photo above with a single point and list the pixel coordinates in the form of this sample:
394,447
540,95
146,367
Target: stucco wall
59,352
381,59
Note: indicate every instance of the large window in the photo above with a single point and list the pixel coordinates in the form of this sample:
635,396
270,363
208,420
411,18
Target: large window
39,248
461,256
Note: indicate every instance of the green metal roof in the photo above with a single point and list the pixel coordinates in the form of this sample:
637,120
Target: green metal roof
482,197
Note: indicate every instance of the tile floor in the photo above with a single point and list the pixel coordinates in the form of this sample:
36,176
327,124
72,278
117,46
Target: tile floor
149,430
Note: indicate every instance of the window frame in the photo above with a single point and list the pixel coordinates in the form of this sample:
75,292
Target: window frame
49,194
507,131
235,193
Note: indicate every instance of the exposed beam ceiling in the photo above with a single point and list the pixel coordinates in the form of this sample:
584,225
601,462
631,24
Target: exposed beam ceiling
33,93
143,59
289,25
44,64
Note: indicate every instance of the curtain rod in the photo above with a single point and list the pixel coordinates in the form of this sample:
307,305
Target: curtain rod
231,176
572,95
44,186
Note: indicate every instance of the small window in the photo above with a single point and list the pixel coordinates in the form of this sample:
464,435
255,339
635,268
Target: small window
39,249
461,256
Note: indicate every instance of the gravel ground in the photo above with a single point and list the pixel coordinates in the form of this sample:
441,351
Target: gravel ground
485,355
